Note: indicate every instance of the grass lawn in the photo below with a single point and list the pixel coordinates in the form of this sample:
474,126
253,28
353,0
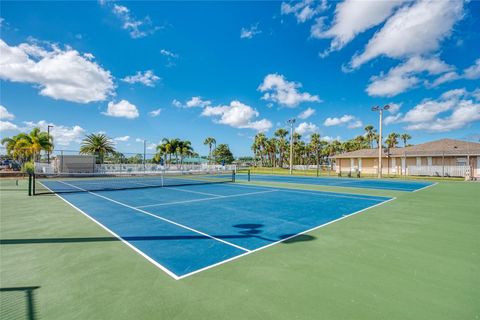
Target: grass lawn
417,257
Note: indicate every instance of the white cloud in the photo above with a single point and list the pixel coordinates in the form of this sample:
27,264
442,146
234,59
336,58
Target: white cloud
135,27
122,139
330,139
394,107
151,146
465,112
306,113
279,90
197,102
122,109
405,76
476,94
413,30
353,17
392,119
473,72
447,77
454,94
338,121
453,110
237,115
306,128
168,53
171,57
176,103
250,32
147,78
62,135
355,124
4,114
8,126
304,10
59,73
155,113
139,140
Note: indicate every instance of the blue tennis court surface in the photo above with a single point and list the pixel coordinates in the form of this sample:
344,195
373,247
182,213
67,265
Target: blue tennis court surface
187,229
342,182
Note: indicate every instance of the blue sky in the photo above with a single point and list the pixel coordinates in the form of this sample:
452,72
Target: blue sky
148,70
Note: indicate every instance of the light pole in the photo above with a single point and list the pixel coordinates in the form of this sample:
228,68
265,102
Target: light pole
380,111
48,135
291,122
144,154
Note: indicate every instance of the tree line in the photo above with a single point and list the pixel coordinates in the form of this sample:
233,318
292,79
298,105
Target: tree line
275,151
27,147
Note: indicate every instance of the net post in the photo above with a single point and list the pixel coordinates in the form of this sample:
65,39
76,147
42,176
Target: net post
34,191
30,184
248,175
233,176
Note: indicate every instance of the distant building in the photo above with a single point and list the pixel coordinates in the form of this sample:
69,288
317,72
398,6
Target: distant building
445,157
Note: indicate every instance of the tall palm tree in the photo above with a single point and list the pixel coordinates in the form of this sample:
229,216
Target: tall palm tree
405,137
98,145
370,132
392,140
185,148
260,142
282,144
210,141
25,146
315,146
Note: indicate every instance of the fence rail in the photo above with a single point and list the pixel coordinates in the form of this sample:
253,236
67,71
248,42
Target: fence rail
439,171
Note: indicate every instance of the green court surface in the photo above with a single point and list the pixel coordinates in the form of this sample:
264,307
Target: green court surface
417,257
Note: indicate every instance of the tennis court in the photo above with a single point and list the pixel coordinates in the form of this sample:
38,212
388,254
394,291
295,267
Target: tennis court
184,229
408,186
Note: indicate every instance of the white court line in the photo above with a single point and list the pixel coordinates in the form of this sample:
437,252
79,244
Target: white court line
224,261
140,252
191,191
283,240
159,217
433,184
206,199
314,192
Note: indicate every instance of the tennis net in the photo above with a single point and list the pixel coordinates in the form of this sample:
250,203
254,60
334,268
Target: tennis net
90,182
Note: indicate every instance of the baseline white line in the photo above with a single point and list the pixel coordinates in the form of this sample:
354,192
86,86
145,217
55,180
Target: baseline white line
205,199
140,252
192,191
283,240
433,184
317,192
161,218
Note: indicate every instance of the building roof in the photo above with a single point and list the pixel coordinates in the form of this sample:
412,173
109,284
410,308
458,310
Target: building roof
447,147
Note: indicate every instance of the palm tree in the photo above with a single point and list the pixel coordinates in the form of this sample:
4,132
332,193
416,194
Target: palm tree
370,132
210,141
185,148
405,137
282,144
315,147
392,140
98,145
260,142
25,146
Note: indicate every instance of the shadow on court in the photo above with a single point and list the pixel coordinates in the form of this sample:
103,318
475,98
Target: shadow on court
248,230
18,303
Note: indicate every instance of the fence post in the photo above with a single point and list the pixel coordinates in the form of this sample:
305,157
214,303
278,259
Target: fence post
29,184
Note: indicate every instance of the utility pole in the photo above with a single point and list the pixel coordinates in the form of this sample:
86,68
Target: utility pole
48,135
380,111
144,154
291,122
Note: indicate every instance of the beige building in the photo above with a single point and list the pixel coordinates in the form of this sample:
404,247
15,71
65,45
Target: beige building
445,157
